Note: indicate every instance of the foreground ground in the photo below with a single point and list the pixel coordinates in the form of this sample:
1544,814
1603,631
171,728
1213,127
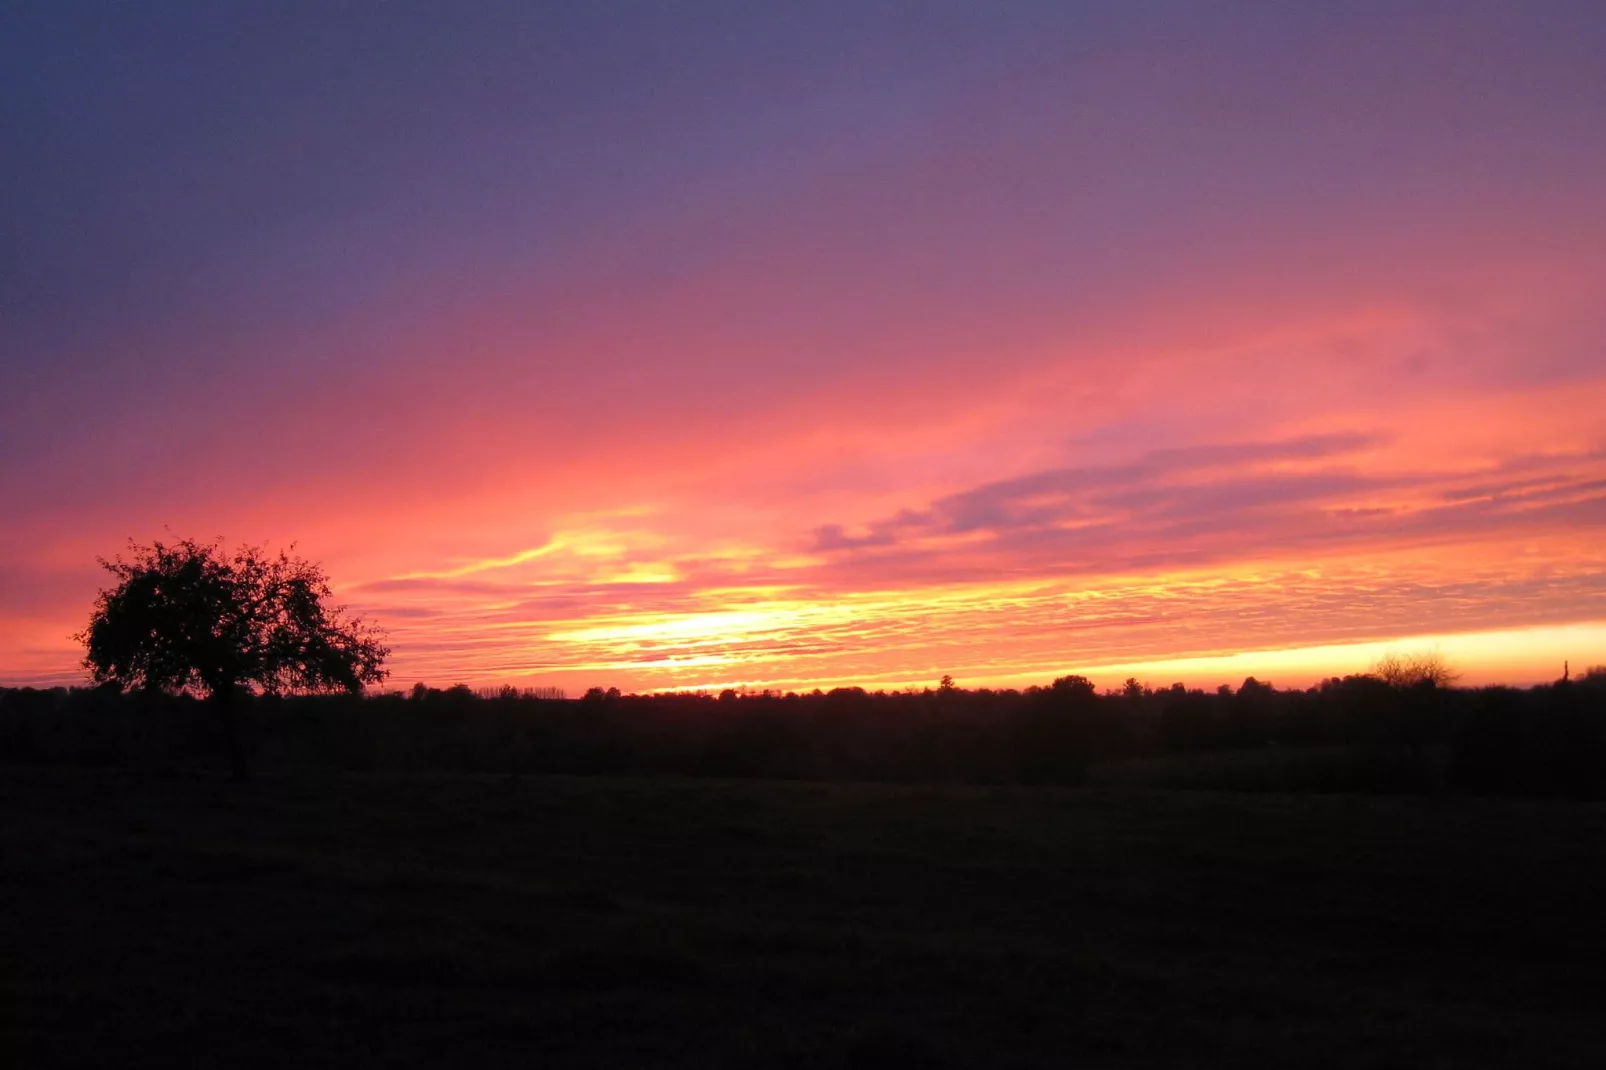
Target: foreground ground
614,923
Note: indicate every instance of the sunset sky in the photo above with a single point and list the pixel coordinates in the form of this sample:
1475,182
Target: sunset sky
783,345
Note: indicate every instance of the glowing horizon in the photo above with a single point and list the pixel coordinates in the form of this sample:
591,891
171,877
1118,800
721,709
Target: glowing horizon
589,348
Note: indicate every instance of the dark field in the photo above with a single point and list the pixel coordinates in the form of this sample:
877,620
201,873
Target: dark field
612,923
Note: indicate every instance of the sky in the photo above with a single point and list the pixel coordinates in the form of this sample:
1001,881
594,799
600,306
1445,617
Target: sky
786,345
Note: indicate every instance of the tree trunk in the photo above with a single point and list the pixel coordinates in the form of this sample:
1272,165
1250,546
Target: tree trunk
224,697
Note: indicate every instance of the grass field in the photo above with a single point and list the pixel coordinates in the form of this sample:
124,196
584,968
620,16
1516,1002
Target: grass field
615,923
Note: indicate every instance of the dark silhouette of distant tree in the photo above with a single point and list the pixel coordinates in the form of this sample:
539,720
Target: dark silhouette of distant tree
1426,668
1078,688
192,618
1252,688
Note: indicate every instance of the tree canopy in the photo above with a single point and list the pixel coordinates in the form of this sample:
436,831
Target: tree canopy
1423,668
193,617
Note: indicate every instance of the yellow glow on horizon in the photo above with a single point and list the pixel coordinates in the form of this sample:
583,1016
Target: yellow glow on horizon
785,641
1514,656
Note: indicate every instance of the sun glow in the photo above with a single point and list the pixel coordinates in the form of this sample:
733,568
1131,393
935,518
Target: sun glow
1281,616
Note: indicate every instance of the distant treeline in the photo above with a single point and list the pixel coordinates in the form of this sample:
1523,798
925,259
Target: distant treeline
1359,733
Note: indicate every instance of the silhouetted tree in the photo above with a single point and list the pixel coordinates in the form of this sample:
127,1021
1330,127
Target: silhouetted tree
1426,668
1075,688
190,617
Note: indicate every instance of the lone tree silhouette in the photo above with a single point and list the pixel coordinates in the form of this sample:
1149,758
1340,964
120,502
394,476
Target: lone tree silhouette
1425,668
190,617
